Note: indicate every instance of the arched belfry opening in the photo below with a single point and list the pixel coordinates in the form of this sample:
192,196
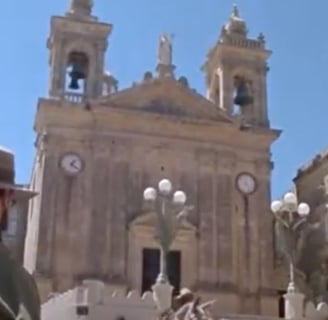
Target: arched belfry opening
242,94
77,72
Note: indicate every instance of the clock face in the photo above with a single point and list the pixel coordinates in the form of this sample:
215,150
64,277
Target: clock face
246,183
71,163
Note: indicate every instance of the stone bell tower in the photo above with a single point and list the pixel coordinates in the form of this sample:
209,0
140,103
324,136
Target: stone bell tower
77,45
235,72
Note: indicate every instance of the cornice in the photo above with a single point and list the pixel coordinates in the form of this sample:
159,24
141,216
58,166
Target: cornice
54,114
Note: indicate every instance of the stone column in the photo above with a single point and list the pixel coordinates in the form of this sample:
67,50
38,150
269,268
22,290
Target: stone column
121,180
99,210
206,211
224,219
227,88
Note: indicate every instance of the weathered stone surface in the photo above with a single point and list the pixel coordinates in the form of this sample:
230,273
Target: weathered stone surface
93,223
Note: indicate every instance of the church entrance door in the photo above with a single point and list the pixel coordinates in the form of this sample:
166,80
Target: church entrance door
150,268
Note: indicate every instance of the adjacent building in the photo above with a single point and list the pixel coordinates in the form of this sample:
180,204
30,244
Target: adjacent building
311,183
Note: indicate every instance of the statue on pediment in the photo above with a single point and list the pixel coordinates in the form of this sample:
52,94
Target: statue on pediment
165,51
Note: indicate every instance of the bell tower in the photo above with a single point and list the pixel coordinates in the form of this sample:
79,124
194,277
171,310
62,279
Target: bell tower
235,72
77,45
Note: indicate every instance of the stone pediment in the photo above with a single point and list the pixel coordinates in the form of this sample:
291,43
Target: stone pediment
166,97
149,220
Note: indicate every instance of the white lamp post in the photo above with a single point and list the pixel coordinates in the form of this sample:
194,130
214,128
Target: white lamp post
170,211
291,216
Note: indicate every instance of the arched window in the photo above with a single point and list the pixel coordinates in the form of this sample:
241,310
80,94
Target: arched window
242,94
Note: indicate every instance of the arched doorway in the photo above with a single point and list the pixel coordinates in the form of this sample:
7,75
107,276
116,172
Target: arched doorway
144,254
151,268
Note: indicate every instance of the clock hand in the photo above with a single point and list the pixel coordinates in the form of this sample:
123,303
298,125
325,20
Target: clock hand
73,164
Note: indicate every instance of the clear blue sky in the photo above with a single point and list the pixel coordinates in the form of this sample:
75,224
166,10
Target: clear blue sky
295,30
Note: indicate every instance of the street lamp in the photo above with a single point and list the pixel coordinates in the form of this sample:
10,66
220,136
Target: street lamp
290,217
170,211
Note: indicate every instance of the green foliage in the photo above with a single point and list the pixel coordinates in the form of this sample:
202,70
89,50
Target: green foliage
312,263
304,244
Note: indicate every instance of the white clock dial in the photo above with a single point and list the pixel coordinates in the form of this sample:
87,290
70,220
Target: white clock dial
246,183
71,163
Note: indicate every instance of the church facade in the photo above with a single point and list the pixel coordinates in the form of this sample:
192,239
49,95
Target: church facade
98,148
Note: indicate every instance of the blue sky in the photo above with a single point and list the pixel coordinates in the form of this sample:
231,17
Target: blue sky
295,31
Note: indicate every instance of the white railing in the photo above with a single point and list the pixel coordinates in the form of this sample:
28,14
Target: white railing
74,97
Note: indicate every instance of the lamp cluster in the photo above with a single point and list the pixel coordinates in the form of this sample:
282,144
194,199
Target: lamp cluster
289,203
165,189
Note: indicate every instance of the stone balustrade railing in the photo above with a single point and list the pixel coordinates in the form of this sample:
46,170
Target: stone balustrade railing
91,300
74,97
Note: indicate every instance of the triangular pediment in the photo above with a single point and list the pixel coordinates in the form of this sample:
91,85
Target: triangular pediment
167,97
149,220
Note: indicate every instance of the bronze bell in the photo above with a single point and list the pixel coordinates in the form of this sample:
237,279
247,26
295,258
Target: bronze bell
243,96
76,74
